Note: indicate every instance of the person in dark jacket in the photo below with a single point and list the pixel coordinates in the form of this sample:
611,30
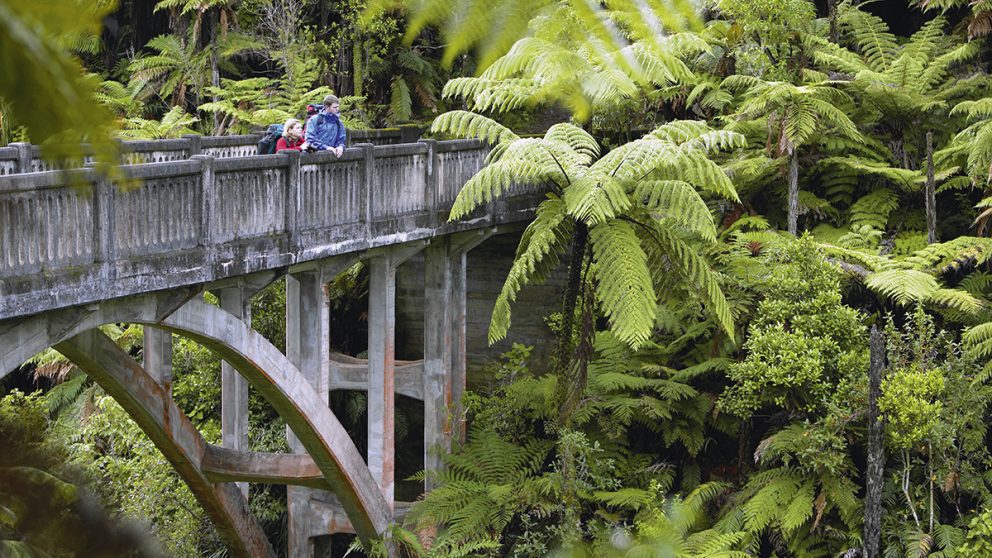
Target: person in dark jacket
292,137
325,131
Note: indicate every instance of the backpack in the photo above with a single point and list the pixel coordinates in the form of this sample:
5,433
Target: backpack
267,145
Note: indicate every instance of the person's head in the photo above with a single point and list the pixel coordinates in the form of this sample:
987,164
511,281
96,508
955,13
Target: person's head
293,129
332,105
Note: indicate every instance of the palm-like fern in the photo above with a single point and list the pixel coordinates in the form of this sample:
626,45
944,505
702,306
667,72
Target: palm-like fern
793,114
540,70
173,124
906,87
495,27
915,278
482,487
639,201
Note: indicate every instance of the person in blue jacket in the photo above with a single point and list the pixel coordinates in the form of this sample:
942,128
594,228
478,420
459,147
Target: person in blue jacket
325,131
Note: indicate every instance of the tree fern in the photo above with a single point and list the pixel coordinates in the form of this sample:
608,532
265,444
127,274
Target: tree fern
465,124
678,202
479,491
870,34
625,289
695,271
541,243
596,197
400,101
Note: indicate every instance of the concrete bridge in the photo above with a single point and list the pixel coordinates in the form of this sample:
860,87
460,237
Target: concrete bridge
77,252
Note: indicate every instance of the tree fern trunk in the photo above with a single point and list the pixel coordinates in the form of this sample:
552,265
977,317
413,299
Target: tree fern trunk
874,476
358,67
563,352
931,194
832,16
794,192
214,62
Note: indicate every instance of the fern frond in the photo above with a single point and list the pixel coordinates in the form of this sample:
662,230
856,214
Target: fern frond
678,202
959,300
903,286
696,271
400,101
524,162
871,35
596,197
960,253
800,509
978,340
543,240
576,138
873,209
469,125
633,498
625,290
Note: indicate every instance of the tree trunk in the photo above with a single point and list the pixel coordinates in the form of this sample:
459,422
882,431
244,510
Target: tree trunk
563,352
874,476
358,67
931,194
794,192
832,16
214,63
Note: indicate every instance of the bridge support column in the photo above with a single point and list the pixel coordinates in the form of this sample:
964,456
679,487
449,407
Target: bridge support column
308,347
445,293
233,386
382,363
459,305
439,341
382,380
157,360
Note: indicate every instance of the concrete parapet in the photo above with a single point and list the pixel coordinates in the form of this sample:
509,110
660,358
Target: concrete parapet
64,236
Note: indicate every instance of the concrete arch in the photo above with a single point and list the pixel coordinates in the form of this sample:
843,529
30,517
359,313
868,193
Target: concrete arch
264,366
173,434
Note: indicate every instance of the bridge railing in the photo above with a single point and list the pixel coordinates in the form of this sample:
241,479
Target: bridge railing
75,234
22,157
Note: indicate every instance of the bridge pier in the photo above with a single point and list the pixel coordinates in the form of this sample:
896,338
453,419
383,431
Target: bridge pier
157,356
382,363
233,387
445,292
306,344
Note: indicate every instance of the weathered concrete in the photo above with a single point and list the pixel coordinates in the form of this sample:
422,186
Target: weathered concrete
350,373
157,351
382,362
486,269
381,380
327,517
204,220
268,371
23,158
438,354
225,465
236,301
307,320
156,414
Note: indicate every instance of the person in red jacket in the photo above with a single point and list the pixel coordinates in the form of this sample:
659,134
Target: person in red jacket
292,137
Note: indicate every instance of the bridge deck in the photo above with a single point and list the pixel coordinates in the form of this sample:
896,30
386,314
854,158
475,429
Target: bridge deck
70,238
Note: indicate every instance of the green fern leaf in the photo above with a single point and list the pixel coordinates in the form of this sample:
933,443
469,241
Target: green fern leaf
544,239
625,290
